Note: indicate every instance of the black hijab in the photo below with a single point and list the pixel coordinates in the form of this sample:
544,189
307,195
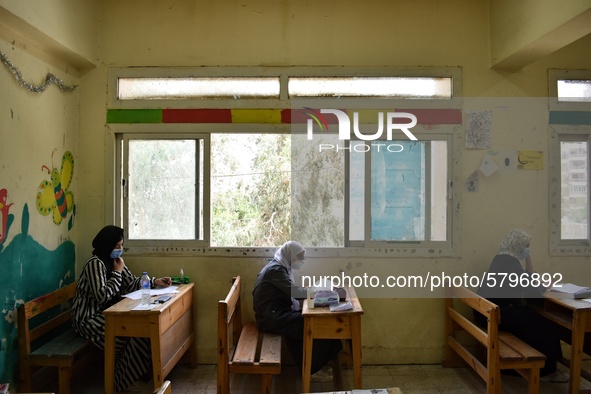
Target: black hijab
104,243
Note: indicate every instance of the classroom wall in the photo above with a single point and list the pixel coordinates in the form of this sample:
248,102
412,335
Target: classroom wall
277,33
345,33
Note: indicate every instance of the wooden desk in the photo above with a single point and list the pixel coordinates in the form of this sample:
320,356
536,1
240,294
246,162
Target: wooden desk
321,323
575,315
169,327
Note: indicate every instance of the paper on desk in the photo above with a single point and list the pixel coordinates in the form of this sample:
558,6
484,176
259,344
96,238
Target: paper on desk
137,295
370,391
568,288
142,307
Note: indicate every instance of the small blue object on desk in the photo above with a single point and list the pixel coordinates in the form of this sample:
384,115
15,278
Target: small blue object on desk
325,298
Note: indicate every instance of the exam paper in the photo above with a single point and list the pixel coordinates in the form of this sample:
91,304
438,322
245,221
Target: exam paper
137,295
142,307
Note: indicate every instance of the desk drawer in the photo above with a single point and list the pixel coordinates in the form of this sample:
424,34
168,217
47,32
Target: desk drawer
332,327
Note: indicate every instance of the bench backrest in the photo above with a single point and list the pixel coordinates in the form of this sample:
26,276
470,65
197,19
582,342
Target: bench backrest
488,338
229,315
37,307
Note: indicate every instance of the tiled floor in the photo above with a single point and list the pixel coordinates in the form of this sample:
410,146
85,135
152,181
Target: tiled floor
412,379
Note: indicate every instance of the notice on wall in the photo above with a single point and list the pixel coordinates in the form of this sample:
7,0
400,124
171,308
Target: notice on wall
478,129
530,160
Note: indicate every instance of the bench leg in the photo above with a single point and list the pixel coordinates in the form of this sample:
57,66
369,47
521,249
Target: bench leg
534,381
26,383
266,381
223,379
65,376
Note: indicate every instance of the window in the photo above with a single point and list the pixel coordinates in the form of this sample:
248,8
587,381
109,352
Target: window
231,167
570,133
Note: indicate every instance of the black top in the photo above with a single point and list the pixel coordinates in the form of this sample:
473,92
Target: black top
272,297
511,289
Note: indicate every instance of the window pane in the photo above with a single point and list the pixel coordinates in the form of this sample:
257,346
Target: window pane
574,90
196,88
574,185
318,190
439,192
250,189
377,87
162,189
356,192
398,193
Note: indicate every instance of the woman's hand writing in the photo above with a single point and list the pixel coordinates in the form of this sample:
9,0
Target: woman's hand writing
163,282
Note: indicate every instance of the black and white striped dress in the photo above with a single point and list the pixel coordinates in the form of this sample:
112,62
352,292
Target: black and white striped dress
95,293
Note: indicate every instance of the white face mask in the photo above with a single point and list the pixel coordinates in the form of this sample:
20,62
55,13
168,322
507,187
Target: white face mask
524,253
296,265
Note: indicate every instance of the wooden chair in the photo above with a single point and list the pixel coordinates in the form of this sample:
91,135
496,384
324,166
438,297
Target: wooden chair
503,350
59,346
252,353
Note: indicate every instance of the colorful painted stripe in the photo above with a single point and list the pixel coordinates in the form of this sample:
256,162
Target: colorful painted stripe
272,116
570,117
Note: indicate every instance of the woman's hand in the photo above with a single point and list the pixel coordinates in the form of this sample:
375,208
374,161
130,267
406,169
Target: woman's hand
118,264
165,281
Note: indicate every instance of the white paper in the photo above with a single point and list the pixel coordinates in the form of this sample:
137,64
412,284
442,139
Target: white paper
137,295
488,165
567,288
370,391
142,307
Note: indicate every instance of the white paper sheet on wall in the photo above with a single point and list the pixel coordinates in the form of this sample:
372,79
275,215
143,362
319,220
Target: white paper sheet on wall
488,165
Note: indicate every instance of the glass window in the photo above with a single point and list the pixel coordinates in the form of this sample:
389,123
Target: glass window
570,132
250,189
162,195
240,185
573,186
168,88
570,90
371,87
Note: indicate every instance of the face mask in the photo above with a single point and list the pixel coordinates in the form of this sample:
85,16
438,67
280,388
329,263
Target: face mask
524,253
296,265
116,253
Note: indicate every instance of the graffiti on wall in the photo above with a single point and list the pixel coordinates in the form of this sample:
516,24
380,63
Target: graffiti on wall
28,270
53,195
5,217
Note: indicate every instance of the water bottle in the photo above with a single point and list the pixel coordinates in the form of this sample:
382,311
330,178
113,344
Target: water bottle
145,282
182,279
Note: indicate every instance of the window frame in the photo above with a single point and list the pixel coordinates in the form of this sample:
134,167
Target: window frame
557,134
451,133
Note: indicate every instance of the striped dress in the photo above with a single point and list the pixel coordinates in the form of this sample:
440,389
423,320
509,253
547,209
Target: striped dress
95,293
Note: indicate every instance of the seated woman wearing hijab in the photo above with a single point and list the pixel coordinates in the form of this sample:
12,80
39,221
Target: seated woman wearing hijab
103,280
277,309
516,317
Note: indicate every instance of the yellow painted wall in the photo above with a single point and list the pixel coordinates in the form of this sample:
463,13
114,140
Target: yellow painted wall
401,33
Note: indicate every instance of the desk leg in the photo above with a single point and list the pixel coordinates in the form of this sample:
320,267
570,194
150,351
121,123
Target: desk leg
307,357
356,350
109,357
155,344
576,354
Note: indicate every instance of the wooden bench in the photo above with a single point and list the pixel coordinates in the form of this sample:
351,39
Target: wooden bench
52,342
252,353
503,350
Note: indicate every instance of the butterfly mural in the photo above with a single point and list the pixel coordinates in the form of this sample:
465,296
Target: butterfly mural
54,196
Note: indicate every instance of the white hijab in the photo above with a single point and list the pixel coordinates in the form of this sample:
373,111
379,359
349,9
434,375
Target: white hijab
287,254
514,243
